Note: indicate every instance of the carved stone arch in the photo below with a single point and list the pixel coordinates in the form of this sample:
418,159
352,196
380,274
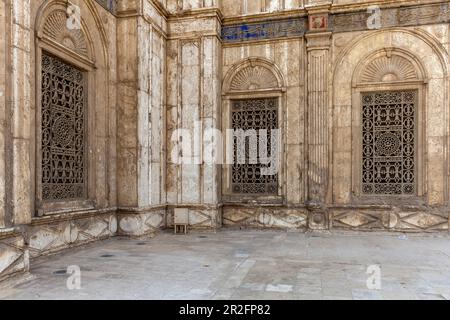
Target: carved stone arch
53,25
394,37
412,47
74,52
253,74
389,65
254,98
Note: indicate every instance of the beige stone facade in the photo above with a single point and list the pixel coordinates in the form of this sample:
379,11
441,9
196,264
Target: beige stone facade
151,68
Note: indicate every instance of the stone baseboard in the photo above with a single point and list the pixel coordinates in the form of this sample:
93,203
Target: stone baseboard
14,255
52,234
200,217
398,220
345,218
265,217
133,223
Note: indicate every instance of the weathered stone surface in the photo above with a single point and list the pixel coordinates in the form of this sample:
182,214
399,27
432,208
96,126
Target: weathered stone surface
14,257
53,236
265,218
199,218
141,224
155,67
393,220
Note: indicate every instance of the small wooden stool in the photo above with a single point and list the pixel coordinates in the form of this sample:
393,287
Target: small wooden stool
181,220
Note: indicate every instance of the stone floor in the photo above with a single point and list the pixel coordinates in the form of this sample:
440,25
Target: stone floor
248,265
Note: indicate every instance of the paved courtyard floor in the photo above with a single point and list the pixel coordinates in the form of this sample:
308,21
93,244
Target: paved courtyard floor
248,265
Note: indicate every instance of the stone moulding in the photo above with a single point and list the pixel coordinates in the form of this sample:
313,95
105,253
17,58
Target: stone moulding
292,27
414,15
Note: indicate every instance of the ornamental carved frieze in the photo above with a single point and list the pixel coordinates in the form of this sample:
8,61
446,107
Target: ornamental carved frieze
294,27
337,22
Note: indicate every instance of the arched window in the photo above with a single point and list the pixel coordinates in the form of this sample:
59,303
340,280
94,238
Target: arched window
389,90
64,65
253,98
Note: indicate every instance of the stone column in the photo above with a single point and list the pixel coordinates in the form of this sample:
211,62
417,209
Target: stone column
318,72
3,128
141,32
15,128
194,51
21,109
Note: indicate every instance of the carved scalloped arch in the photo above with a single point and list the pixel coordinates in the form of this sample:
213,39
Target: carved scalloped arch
55,28
388,64
389,68
254,78
253,74
423,38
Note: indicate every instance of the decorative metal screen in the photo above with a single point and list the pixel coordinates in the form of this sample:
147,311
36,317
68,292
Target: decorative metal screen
63,131
254,114
389,143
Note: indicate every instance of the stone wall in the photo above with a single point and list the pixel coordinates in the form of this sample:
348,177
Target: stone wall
157,67
29,227
322,167
193,101
141,49
4,26
14,254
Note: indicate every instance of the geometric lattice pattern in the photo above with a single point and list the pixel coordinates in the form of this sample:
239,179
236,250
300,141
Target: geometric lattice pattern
254,114
389,143
63,131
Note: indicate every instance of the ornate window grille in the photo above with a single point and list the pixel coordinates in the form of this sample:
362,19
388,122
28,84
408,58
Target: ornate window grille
254,114
63,167
389,143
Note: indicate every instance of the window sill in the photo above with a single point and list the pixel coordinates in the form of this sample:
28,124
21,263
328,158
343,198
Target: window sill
252,200
70,215
413,202
67,207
